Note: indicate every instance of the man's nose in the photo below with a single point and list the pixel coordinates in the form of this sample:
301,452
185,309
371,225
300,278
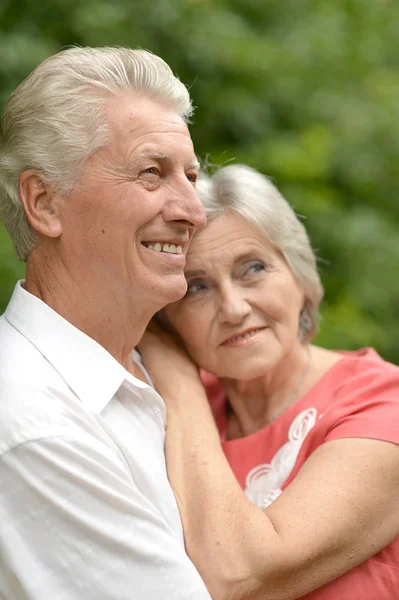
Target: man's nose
186,206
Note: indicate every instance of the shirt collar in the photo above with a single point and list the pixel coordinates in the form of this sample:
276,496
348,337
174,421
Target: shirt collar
89,370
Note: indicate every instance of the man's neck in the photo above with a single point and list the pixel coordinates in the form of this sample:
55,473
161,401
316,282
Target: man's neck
95,309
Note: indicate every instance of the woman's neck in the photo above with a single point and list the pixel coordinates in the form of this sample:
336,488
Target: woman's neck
255,403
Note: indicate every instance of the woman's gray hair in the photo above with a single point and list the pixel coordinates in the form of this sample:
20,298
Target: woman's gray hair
245,191
55,119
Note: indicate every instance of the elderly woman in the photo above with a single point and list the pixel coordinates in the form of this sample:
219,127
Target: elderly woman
310,435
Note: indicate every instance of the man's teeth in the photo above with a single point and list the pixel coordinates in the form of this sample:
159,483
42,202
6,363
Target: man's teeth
245,335
171,248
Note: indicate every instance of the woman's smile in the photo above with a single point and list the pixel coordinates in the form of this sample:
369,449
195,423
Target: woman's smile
245,338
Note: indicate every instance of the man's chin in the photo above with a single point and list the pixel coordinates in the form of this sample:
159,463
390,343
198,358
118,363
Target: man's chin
172,290
178,291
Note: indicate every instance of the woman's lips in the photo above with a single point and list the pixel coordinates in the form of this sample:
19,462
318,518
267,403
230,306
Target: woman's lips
241,336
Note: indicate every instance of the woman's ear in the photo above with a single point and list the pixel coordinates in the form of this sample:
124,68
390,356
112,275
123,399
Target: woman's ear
306,324
38,200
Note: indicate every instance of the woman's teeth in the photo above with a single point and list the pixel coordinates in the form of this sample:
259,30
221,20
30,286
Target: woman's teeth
245,335
171,248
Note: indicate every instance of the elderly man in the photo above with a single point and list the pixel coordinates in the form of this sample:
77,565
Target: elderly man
97,173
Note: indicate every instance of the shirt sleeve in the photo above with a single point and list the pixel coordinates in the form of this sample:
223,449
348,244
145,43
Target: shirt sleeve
368,406
73,525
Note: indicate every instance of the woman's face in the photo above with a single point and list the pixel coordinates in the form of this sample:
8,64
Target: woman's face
240,314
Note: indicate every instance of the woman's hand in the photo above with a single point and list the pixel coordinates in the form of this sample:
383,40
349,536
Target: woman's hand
174,374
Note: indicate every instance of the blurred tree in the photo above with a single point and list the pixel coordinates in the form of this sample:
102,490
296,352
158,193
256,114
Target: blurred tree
304,90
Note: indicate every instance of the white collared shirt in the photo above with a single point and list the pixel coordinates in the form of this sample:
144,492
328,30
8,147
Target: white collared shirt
86,510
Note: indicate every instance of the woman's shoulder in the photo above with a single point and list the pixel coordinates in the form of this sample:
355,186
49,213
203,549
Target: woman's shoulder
366,366
360,379
360,398
365,356
358,383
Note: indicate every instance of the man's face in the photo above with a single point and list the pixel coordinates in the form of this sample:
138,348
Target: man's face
133,214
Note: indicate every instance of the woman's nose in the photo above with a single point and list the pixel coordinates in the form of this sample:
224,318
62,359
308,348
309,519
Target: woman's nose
233,308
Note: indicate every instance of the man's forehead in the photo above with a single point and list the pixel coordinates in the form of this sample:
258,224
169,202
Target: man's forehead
146,129
137,109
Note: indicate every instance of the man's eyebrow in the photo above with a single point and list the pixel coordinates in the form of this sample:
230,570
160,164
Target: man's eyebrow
193,164
155,156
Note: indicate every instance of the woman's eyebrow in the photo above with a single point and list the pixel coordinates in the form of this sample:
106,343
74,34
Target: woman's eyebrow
249,255
197,273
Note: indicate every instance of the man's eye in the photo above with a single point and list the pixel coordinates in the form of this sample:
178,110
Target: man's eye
151,171
192,177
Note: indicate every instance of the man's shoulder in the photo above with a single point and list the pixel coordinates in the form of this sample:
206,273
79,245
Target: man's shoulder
19,358
22,365
34,400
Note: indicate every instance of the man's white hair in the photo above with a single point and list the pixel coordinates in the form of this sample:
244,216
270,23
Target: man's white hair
245,191
56,119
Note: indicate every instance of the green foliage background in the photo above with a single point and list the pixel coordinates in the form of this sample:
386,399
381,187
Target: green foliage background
307,91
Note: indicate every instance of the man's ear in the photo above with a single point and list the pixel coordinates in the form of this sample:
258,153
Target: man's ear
38,200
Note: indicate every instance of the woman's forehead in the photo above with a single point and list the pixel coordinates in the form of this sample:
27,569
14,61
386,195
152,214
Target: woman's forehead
225,239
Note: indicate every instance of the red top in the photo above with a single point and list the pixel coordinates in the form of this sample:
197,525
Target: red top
357,397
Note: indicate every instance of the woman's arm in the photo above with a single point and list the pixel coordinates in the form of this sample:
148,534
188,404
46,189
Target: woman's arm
341,508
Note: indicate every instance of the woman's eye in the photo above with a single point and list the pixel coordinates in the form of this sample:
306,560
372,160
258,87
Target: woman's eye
195,287
256,268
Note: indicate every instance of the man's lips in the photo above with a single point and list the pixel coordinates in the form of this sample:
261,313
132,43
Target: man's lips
246,333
